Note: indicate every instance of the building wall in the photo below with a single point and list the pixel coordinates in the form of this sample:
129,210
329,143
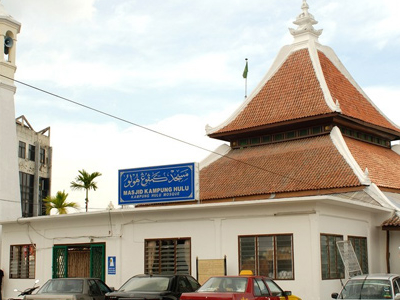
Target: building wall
213,229
9,189
39,169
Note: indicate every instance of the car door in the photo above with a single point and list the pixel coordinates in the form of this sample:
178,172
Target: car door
396,286
103,287
275,290
183,286
94,290
265,293
193,283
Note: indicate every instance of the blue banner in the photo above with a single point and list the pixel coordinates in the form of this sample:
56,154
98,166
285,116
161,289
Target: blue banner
158,184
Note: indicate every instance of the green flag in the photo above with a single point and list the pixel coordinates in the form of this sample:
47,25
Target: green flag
246,70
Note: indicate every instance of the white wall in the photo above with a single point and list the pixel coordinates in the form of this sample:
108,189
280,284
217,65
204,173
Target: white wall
213,230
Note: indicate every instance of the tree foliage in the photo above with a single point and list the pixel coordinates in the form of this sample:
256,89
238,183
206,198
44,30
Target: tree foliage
59,202
85,181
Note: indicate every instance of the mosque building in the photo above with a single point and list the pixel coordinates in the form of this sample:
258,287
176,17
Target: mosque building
310,168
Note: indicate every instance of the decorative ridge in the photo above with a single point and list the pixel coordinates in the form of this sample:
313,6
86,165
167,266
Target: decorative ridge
341,146
305,22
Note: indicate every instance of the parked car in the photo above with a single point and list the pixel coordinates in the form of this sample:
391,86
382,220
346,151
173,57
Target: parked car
371,286
155,287
71,289
239,287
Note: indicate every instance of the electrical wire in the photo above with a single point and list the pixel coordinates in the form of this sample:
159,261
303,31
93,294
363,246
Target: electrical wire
311,185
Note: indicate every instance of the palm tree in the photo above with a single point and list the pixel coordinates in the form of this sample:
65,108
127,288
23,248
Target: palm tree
59,202
84,181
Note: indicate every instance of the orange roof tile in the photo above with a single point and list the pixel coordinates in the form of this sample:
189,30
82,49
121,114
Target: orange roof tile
299,165
383,164
292,93
394,221
351,101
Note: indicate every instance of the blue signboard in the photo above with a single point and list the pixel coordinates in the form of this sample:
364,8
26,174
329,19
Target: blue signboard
111,265
158,184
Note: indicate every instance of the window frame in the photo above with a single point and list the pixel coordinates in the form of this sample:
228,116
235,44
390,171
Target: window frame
27,184
362,256
339,266
29,263
42,156
22,149
31,152
158,256
256,268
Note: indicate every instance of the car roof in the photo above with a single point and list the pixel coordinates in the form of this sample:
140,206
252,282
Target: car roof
74,278
159,275
241,276
375,276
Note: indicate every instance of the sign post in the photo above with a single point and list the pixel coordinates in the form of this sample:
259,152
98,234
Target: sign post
349,258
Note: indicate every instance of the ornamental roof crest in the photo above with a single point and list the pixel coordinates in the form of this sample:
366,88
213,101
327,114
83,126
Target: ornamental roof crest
305,22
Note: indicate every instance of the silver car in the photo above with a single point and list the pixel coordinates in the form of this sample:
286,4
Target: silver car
71,289
371,286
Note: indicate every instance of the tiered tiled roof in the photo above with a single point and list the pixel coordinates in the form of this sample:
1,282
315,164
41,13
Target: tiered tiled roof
306,84
292,93
352,102
307,80
299,165
383,164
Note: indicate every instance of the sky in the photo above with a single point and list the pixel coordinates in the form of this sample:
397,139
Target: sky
172,66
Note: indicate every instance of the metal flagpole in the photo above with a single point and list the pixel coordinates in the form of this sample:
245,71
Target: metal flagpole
246,70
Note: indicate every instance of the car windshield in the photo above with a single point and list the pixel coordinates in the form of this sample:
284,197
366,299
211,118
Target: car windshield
146,284
224,284
367,289
62,286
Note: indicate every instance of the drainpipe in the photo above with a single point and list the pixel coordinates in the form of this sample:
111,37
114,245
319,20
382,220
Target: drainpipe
387,251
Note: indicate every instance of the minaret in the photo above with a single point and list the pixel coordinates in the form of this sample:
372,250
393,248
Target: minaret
10,203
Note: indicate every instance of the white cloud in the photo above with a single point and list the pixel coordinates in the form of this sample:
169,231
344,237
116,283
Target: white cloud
106,149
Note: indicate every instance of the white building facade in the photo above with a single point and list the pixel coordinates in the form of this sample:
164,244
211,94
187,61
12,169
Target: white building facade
211,231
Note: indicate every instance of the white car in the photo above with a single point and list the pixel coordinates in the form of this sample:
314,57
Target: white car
371,286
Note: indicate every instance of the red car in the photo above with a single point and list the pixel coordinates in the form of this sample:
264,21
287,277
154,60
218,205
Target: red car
239,288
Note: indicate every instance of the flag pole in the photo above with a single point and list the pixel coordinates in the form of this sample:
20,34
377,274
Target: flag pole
246,70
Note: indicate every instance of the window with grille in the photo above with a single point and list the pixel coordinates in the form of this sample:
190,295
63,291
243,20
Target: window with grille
167,256
21,149
22,261
31,153
361,250
42,156
26,182
331,263
267,255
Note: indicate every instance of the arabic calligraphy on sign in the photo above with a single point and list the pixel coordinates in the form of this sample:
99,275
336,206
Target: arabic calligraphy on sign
158,184
145,179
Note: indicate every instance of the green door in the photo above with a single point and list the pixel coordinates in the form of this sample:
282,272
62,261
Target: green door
96,263
60,261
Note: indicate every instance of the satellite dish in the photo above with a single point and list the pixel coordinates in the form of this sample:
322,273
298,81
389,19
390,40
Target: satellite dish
8,43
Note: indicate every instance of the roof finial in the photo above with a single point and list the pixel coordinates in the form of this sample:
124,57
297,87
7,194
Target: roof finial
305,22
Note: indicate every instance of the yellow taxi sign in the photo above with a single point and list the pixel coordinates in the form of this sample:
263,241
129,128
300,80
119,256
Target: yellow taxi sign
246,273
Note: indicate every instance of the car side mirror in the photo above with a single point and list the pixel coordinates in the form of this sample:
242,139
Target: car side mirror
336,295
112,289
289,293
